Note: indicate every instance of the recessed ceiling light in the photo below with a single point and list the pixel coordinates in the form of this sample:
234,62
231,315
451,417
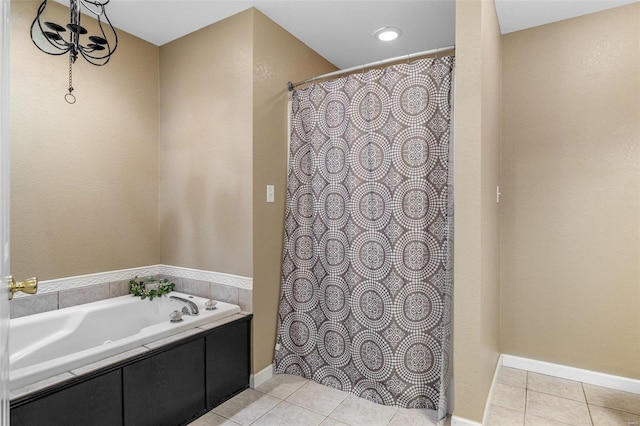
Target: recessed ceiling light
388,33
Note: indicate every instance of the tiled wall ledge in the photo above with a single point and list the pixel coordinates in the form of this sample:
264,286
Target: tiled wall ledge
71,291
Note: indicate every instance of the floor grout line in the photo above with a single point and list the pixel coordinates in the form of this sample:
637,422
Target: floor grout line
267,412
586,401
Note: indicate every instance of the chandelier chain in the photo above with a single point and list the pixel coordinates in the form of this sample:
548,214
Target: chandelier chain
70,97
70,76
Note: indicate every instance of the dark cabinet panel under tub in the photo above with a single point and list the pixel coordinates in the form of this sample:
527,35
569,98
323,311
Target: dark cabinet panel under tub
170,385
167,389
94,402
228,363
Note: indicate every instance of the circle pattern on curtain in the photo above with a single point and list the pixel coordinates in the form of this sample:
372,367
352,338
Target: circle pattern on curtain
365,303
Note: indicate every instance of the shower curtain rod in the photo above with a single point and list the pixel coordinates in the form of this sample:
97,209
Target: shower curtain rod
292,86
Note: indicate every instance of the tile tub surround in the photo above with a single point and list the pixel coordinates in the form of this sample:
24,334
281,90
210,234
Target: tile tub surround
71,291
526,398
288,400
38,303
35,304
225,293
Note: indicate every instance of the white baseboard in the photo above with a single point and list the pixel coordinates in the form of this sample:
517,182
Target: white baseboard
460,421
261,376
572,373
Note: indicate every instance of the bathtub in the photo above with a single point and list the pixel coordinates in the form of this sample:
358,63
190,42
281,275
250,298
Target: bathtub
51,343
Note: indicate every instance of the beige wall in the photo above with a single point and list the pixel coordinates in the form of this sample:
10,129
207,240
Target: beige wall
168,176
278,58
571,184
476,245
223,138
85,194
206,115
84,184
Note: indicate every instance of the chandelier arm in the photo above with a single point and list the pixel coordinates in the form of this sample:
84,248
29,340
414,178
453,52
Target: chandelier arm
89,8
100,5
63,47
86,51
93,60
113,31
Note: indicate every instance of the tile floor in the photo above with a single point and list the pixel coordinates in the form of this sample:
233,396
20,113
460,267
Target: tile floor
530,399
521,398
287,400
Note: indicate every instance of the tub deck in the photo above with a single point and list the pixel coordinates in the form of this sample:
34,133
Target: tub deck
55,346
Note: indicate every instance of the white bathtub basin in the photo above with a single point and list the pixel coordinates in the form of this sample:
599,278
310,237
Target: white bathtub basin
51,343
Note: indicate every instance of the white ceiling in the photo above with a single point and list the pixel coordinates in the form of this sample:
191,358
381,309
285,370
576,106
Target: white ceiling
342,30
516,15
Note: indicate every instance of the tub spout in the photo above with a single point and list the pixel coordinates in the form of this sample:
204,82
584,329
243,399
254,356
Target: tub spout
188,308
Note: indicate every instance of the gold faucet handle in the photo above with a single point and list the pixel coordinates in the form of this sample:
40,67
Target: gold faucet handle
29,286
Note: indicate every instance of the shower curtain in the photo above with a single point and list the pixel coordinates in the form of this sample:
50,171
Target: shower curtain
366,296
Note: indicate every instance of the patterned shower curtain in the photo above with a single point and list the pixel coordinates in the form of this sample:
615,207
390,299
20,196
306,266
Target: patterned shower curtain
366,295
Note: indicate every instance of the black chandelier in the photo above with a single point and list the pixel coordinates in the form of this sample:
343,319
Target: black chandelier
73,38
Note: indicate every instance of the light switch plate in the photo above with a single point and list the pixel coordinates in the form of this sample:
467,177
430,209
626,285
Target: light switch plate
270,194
